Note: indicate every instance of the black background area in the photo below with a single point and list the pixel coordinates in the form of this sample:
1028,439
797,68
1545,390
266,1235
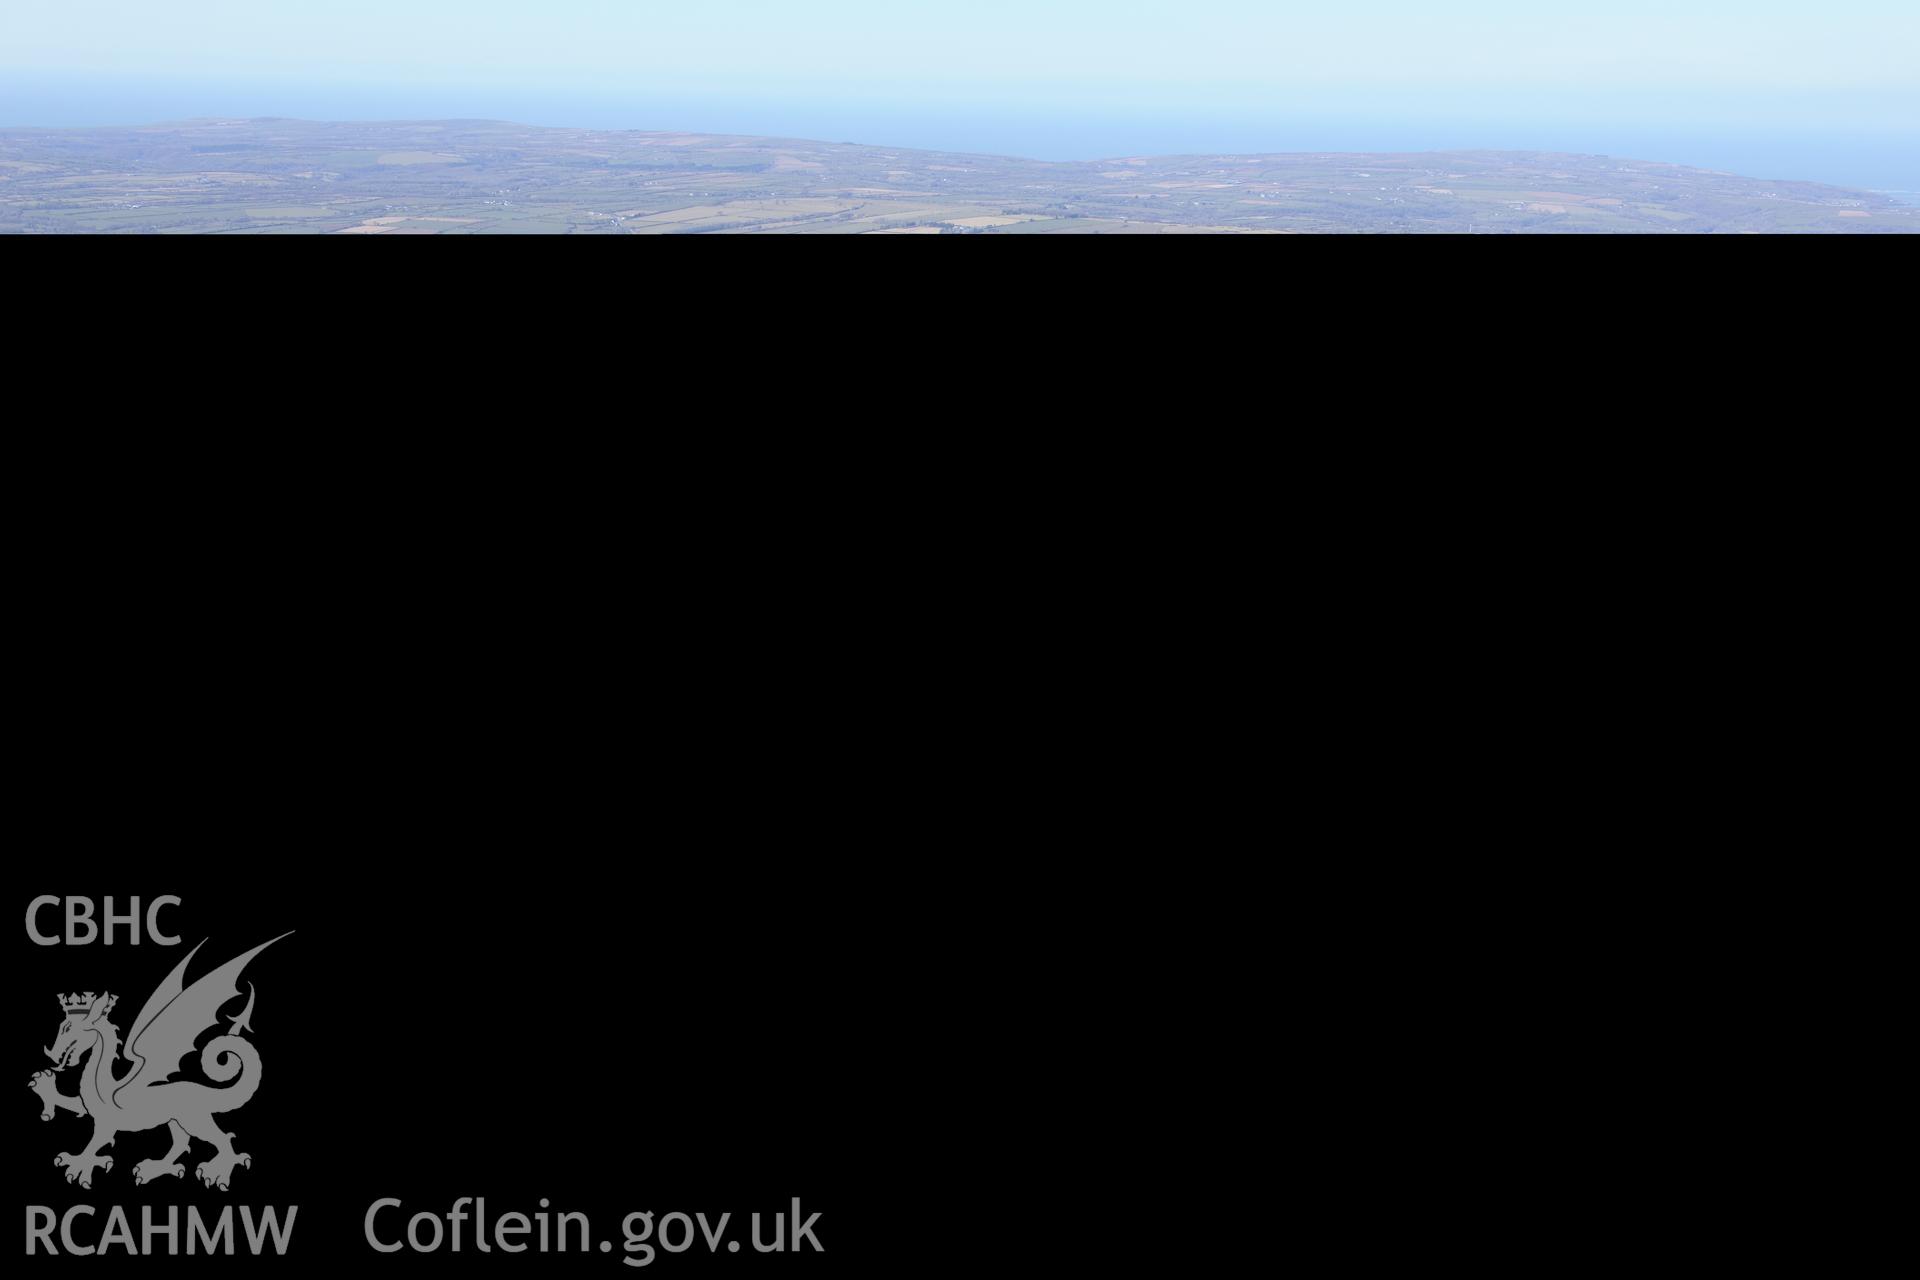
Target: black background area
609,1029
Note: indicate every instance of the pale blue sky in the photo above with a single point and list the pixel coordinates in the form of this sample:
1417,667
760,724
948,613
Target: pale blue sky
1094,76
1035,46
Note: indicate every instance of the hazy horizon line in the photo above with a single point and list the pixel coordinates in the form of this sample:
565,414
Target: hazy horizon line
1886,159
854,142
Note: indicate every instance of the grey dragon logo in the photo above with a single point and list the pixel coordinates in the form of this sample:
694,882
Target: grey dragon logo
147,1097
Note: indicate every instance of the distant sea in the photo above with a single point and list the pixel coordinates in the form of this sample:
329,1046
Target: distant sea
1885,159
